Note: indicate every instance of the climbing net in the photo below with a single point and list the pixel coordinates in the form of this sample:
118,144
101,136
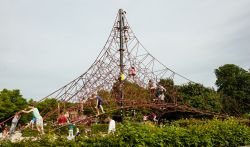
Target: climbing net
139,67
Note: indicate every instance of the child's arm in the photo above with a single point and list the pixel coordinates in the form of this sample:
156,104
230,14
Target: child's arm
27,111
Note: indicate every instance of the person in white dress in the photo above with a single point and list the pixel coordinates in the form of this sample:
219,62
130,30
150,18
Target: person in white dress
111,128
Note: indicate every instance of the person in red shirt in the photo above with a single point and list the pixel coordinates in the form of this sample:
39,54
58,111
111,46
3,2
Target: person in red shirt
62,119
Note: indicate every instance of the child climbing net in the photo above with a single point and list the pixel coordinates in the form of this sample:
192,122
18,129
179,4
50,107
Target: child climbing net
99,102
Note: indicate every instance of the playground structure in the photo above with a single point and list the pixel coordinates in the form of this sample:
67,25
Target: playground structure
123,56
122,60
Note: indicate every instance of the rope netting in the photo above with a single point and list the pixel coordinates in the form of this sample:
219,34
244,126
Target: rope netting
103,75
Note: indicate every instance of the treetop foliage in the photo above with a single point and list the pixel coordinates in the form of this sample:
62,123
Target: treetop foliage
234,84
11,101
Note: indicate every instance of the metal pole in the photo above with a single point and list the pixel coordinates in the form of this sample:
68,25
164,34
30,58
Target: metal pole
121,31
59,111
121,28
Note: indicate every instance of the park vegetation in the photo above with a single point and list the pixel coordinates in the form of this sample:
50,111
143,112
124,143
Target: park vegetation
191,132
232,98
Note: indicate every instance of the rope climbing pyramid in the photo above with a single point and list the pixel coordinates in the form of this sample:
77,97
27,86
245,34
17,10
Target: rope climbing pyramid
139,66
122,61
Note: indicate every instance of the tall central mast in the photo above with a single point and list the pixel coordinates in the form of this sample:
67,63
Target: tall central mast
121,29
121,32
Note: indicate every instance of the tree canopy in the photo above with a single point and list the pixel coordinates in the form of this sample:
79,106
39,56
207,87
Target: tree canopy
11,101
234,84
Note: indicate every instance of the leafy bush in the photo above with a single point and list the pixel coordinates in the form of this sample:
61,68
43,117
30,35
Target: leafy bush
229,132
200,97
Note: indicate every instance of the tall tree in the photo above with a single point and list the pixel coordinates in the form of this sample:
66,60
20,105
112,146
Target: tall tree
11,101
234,84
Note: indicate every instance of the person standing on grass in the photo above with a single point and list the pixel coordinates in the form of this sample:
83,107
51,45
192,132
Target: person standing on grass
14,123
71,131
5,132
111,128
36,114
1,131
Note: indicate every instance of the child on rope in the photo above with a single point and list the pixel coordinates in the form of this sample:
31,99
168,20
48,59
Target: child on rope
14,123
152,87
36,114
160,92
99,102
132,72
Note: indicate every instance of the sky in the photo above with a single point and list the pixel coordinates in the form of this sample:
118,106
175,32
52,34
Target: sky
44,44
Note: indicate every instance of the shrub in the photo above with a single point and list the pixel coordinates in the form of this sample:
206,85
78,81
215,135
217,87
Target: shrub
192,132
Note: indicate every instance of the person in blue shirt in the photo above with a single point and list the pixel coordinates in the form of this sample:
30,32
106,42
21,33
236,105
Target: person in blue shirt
99,102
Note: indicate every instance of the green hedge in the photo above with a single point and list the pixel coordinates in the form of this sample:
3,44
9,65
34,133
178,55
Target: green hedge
229,132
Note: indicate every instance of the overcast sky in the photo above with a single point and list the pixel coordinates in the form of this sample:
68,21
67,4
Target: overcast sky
44,44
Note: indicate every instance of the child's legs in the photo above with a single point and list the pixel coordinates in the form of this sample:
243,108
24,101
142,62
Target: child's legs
97,110
12,128
39,124
101,108
70,132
